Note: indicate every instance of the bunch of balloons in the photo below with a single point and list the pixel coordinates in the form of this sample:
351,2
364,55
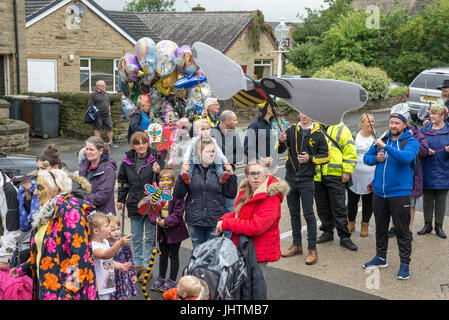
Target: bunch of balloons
166,72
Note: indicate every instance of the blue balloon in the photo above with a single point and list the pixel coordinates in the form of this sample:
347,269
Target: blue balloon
189,82
127,106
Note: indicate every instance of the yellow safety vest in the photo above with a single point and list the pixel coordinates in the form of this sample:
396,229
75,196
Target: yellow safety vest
339,161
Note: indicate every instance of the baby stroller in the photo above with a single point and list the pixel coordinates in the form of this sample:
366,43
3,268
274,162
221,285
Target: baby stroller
221,266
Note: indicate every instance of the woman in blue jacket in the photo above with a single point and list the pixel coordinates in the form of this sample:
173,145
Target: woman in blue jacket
140,119
436,170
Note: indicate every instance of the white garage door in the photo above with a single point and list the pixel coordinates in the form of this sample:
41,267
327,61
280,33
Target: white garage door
42,75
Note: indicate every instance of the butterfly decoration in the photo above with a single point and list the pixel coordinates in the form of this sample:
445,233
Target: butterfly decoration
154,199
166,140
155,132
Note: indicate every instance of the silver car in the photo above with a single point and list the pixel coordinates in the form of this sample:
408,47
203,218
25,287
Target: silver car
423,90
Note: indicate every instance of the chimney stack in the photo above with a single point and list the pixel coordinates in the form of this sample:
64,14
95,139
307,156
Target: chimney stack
198,8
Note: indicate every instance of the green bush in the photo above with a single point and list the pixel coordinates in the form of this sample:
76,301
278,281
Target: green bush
397,92
375,81
284,106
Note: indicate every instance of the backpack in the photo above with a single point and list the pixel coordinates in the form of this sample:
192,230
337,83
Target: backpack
91,114
220,264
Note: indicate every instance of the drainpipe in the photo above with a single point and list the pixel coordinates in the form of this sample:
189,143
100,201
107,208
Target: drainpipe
16,24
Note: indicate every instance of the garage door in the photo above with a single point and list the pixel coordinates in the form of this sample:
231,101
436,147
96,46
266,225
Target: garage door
42,75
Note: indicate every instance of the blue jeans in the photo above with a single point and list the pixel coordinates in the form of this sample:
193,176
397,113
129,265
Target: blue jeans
142,248
199,235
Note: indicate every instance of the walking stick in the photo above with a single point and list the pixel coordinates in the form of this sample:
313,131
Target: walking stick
150,267
123,221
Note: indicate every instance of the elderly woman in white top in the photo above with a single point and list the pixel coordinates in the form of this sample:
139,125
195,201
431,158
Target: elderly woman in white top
362,177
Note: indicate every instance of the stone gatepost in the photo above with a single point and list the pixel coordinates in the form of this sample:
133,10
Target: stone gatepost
14,134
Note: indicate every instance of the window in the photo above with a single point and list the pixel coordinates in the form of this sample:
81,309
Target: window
429,80
94,69
262,69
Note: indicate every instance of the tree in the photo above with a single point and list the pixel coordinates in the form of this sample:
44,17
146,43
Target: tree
422,42
319,20
149,6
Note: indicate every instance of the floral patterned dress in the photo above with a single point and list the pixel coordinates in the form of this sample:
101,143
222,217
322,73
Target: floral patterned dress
124,287
66,268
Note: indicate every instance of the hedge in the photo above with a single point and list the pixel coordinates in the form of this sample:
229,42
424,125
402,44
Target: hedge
73,109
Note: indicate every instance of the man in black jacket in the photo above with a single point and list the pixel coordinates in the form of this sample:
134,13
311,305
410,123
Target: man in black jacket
306,147
230,144
260,138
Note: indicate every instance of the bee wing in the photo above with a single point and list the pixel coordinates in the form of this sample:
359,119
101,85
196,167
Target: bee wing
150,188
166,196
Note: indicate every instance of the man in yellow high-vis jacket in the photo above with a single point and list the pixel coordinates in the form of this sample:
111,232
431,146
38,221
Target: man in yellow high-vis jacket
330,185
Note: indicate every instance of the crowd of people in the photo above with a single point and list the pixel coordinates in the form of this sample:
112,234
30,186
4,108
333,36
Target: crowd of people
62,229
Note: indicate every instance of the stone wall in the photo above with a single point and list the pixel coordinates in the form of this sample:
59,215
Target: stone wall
14,134
50,38
73,109
8,44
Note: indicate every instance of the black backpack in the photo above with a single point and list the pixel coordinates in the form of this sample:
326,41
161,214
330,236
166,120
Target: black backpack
221,265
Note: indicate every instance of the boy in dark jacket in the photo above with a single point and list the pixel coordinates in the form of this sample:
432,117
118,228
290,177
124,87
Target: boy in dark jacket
307,147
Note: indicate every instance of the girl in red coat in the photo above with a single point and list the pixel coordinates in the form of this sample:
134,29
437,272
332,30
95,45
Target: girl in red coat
257,212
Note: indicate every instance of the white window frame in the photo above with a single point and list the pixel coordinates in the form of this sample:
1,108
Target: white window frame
86,69
261,63
115,70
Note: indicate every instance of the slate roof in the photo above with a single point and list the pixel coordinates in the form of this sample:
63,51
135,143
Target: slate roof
33,6
133,25
219,29
127,21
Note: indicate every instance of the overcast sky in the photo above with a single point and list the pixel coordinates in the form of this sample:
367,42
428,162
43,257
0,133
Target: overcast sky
272,10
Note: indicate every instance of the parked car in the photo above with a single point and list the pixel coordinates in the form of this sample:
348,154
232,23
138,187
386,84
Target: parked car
423,90
17,165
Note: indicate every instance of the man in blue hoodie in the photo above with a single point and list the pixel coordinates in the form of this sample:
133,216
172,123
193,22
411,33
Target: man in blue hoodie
394,157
